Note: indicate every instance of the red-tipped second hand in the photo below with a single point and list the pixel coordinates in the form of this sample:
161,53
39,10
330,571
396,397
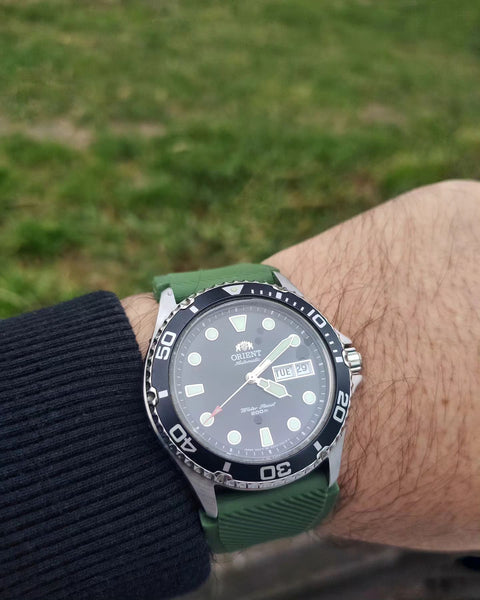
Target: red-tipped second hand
215,412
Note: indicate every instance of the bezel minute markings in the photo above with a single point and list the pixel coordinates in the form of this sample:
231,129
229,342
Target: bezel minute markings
272,471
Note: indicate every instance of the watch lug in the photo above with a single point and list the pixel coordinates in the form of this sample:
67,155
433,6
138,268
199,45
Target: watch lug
335,459
203,488
346,341
287,284
356,380
166,305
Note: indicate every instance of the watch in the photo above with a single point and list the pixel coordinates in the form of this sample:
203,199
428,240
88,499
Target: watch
248,386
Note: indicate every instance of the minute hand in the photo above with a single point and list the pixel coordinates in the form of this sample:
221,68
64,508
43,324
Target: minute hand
279,349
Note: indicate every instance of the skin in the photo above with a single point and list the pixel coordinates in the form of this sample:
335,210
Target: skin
403,281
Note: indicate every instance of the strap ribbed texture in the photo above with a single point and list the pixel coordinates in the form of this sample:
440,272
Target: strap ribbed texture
185,284
248,518
91,505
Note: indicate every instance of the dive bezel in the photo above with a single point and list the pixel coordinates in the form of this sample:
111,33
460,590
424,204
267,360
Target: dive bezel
199,458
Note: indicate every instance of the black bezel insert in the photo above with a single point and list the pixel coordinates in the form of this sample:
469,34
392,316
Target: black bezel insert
162,412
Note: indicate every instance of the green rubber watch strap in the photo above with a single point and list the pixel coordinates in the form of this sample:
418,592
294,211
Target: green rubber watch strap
186,284
246,518
249,518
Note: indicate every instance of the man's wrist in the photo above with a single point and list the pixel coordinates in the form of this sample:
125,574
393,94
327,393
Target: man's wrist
402,281
141,310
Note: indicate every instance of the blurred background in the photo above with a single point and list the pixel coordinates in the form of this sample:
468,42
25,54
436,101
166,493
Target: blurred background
145,136
139,137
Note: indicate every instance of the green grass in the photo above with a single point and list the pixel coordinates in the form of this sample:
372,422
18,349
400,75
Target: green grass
144,136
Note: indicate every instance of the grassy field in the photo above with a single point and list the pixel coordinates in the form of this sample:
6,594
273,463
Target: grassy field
143,136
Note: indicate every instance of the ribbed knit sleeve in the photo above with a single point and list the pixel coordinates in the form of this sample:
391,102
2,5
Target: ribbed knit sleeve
91,505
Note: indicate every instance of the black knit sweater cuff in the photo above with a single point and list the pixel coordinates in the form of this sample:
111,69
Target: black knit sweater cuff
91,505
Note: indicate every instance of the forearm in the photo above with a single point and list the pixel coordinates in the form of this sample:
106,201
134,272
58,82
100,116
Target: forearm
402,281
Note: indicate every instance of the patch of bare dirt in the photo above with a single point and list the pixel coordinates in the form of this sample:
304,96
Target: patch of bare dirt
379,113
59,130
67,133
146,130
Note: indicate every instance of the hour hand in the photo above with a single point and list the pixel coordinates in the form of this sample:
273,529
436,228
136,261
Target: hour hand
272,387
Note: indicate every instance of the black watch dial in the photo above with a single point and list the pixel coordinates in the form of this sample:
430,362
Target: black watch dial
252,380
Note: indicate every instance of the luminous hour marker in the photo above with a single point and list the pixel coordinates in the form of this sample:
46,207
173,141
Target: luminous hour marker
309,397
266,437
234,437
293,424
295,340
194,389
239,322
194,359
268,324
206,419
211,334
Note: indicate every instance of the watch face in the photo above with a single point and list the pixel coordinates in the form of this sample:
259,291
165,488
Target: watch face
252,380
246,383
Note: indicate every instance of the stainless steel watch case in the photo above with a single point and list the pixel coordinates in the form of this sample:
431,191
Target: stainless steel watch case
202,479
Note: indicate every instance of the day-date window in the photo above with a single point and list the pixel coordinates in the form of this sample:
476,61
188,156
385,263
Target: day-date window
301,368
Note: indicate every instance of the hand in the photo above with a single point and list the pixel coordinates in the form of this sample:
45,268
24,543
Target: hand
280,348
272,387
220,408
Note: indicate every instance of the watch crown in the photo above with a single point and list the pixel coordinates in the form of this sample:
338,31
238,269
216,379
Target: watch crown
353,359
